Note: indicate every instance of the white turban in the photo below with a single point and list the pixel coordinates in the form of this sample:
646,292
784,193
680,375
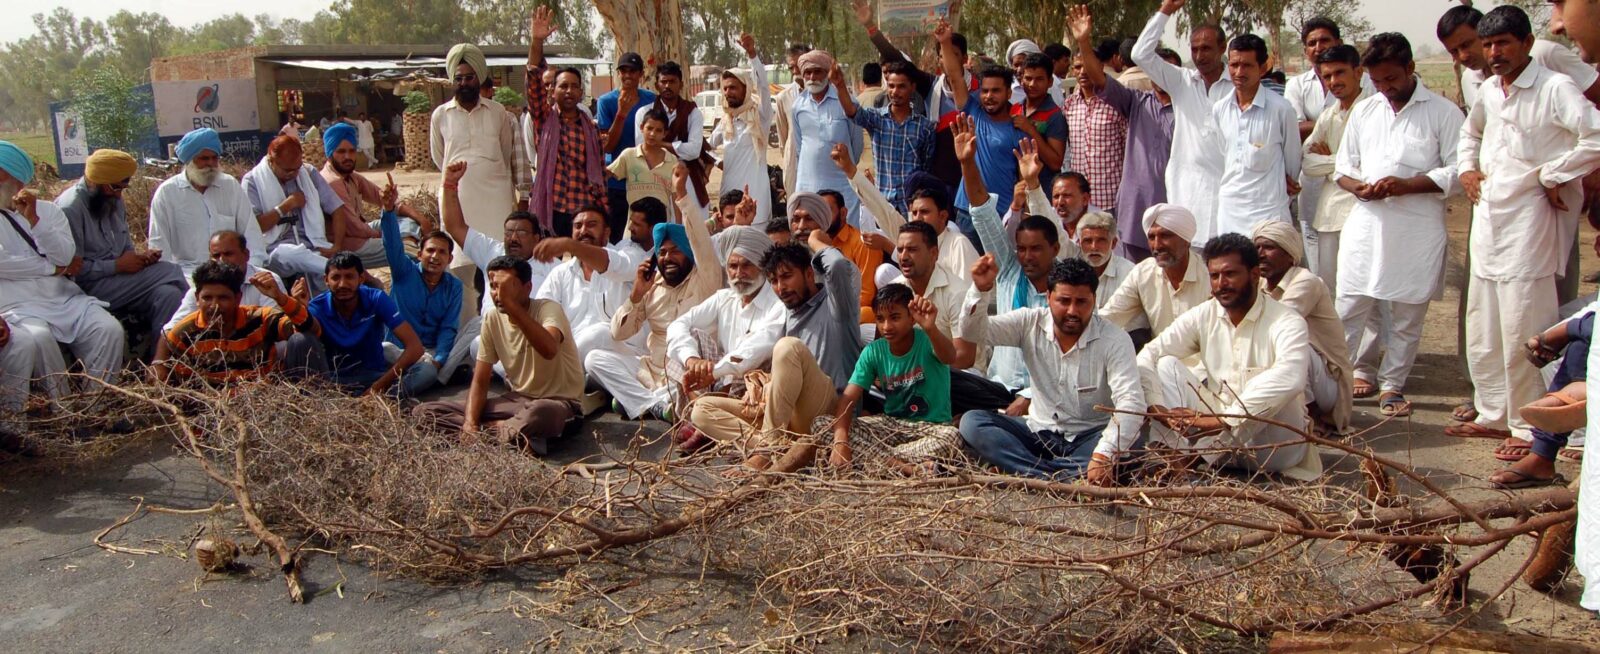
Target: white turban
1021,46
1282,234
747,242
1171,217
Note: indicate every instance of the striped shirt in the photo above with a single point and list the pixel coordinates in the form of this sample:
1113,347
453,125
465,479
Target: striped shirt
196,347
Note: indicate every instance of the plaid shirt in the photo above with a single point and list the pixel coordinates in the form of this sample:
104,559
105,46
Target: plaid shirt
1099,136
572,190
898,149
521,168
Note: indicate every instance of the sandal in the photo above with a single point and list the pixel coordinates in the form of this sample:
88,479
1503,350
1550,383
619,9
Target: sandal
1364,389
1519,479
1474,430
1464,412
1393,405
1512,449
1559,412
1570,454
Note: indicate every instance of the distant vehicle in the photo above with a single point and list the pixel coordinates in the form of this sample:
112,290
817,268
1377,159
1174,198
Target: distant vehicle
710,103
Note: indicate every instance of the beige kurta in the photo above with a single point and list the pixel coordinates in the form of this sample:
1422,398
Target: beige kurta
665,303
1146,292
485,140
1306,294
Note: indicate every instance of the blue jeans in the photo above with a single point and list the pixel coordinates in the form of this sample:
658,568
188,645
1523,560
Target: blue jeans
1574,367
1008,444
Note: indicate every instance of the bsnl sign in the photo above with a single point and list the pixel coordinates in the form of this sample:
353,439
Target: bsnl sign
227,105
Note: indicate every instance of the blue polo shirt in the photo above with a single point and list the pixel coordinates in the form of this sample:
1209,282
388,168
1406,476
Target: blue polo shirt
358,342
605,113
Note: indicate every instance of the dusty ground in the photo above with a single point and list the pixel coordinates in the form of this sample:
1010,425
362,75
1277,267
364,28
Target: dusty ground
65,594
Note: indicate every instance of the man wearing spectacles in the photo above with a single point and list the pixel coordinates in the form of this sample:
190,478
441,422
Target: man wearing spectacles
135,283
480,131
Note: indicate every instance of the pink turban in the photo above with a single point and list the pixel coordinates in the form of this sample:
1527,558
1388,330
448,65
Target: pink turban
816,58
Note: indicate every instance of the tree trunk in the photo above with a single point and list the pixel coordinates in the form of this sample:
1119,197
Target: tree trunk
652,28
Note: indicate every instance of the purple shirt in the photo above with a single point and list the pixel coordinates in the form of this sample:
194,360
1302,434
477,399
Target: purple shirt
1144,166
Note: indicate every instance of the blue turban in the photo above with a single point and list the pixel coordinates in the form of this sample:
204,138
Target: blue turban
338,132
664,232
18,164
200,140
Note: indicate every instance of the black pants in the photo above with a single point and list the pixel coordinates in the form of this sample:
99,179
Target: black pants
616,212
561,223
970,392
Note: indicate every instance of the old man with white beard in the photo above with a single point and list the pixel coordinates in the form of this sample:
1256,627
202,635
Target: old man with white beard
187,209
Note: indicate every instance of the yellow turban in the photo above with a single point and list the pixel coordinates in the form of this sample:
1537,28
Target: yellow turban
1284,235
107,166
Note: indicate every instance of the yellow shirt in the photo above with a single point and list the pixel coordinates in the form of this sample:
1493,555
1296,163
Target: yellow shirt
527,372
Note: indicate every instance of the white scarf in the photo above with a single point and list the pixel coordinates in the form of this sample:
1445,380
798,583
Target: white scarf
270,191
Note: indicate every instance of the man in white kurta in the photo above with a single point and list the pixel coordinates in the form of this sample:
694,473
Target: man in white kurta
188,208
1310,98
1528,137
742,135
1260,144
478,131
704,338
1397,157
593,283
25,355
1326,215
1195,169
38,299
1254,353
1097,241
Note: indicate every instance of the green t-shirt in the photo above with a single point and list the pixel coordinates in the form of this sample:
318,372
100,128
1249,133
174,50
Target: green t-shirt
915,386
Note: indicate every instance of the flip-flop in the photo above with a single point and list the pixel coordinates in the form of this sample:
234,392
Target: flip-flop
1364,389
1464,412
1570,455
1558,412
1524,480
1513,449
1474,430
1394,405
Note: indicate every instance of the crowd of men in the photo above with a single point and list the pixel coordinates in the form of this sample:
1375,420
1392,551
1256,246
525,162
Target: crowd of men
1191,247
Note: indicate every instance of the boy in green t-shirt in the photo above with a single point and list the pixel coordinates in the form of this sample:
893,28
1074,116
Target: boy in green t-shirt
909,363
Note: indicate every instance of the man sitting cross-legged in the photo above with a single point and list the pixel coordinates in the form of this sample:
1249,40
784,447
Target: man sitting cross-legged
530,339
428,296
224,340
1076,359
228,246
705,339
910,364
814,343
1253,353
354,319
1331,386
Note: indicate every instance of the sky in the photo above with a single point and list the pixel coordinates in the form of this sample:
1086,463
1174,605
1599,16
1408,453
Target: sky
1414,18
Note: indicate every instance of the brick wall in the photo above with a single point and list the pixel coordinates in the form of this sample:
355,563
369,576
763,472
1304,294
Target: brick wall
238,63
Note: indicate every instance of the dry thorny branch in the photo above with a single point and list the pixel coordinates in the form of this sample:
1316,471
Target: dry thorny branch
965,559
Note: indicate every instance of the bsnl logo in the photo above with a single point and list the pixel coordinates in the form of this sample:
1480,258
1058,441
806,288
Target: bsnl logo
205,102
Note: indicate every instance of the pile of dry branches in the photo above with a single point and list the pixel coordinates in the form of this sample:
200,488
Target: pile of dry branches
967,559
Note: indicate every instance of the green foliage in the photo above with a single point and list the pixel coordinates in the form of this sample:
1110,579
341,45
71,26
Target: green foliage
418,102
507,96
114,111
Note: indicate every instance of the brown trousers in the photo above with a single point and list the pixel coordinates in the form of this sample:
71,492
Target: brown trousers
526,421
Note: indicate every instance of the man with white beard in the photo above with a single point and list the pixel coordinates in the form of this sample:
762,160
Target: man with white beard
187,209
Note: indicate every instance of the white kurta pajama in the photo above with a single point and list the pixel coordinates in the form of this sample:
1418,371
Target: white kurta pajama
744,160
182,220
1195,171
36,300
1391,251
484,138
728,320
1540,133
1310,100
1258,367
591,302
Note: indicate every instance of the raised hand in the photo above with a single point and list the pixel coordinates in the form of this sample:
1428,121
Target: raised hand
1080,22
1170,7
268,286
541,24
747,42
680,181
841,158
943,33
864,13
1028,164
984,273
836,77
965,134
925,313
302,290
454,172
745,213
391,194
